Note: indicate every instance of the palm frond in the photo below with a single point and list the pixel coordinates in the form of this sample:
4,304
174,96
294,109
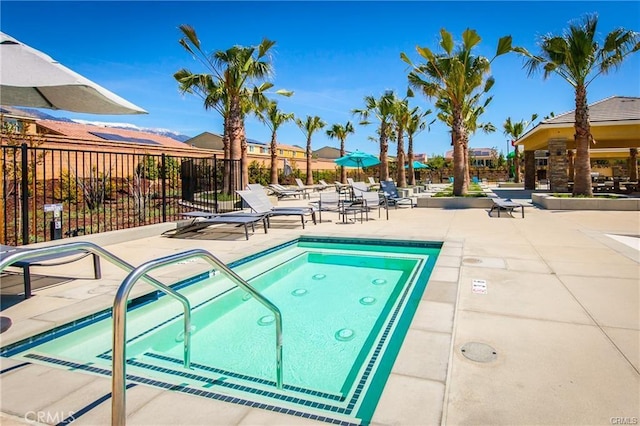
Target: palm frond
190,33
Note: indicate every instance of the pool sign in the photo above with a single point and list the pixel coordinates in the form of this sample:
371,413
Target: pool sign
479,286
53,208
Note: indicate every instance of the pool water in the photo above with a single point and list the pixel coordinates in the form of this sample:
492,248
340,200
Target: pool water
346,305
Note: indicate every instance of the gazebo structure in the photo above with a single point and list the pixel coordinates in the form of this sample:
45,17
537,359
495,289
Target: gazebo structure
615,127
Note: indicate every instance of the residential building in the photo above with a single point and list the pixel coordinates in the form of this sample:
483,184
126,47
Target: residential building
478,157
256,150
327,153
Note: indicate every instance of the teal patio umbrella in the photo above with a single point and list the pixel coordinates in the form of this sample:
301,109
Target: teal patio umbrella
357,159
418,165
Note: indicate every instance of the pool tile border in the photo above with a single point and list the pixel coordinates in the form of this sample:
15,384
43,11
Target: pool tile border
359,389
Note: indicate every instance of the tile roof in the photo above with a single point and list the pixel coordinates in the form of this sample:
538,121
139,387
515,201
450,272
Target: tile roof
615,108
90,132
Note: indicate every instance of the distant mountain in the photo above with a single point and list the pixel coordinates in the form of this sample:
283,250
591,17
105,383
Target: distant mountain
39,115
162,132
31,113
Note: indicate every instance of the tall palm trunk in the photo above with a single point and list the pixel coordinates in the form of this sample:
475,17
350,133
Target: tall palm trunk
467,161
235,134
516,163
459,154
343,171
412,174
582,178
274,159
309,174
384,149
402,174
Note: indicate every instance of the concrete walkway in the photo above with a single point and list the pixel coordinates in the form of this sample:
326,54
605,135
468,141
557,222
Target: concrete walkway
561,312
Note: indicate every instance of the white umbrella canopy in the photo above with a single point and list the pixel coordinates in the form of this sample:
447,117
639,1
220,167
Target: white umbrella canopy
30,78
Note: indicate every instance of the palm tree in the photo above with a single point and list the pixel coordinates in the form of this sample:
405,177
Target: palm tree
309,127
471,112
340,132
273,118
400,120
415,125
578,58
229,86
382,110
455,76
515,130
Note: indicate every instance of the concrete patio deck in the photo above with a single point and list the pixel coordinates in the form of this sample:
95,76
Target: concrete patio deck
561,312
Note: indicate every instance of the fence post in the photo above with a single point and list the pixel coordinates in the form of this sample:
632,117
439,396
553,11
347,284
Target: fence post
163,172
215,183
24,186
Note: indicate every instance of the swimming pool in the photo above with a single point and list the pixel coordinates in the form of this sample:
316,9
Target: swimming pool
346,305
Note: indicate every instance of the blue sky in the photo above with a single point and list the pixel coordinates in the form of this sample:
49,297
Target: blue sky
331,54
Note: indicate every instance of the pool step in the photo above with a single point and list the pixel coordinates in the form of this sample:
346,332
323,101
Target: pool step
237,385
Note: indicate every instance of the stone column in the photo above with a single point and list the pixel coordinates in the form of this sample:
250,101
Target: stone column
529,170
571,158
633,164
557,166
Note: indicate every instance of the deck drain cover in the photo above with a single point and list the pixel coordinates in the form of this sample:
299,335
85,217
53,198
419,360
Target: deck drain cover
471,260
479,352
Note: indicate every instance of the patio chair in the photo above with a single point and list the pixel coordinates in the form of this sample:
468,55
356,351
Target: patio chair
342,188
392,196
282,192
305,188
328,202
48,260
358,188
373,200
259,205
373,184
203,220
323,185
506,204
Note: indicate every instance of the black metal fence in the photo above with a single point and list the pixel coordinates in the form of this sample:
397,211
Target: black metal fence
50,194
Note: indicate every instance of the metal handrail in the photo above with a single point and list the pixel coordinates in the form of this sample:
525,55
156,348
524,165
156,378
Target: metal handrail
118,384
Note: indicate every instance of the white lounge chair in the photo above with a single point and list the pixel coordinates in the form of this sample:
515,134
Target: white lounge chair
258,204
283,192
203,220
506,204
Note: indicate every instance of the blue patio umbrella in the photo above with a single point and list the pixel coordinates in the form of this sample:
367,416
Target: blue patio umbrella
357,159
418,165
